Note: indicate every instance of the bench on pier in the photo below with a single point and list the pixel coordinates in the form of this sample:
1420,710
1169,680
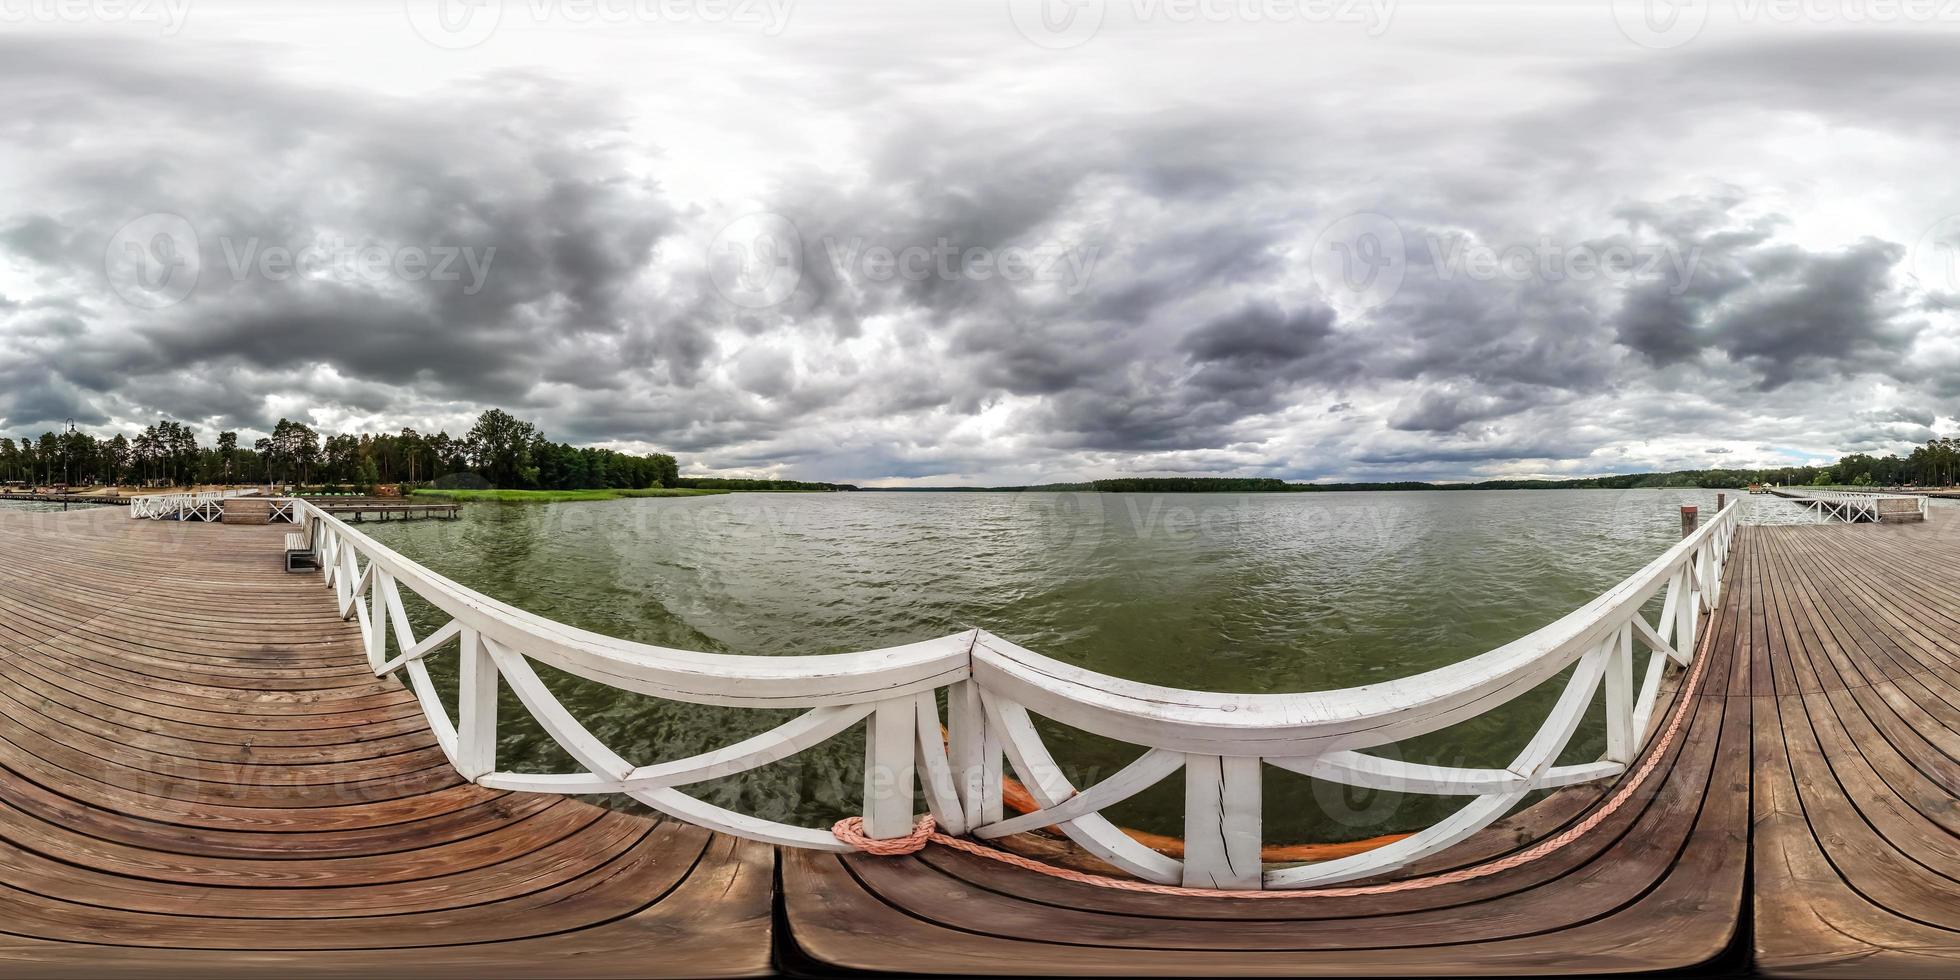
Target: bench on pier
299,552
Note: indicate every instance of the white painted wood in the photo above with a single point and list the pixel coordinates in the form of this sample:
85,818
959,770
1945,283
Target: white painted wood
1475,815
1145,771
976,754
476,704
682,675
423,648
1621,743
1396,776
1649,636
374,628
890,739
935,770
1650,691
1222,822
404,630
564,729
677,804
992,685
779,743
433,710
1049,787
1294,725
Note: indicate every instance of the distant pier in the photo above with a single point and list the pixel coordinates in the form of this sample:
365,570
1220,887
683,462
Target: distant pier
1858,506
358,509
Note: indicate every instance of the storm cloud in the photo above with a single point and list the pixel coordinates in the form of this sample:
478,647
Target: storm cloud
891,244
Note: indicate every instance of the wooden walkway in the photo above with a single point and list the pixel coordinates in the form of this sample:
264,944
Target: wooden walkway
1658,885
201,777
1854,652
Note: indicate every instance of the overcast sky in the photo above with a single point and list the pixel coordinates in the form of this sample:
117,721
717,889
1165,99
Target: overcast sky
995,242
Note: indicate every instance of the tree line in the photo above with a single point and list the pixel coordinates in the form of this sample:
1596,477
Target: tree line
499,449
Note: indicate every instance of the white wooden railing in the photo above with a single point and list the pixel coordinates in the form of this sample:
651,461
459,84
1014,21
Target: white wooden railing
1223,742
1856,505
208,505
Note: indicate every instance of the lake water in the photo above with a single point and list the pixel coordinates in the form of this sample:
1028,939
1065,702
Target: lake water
1261,593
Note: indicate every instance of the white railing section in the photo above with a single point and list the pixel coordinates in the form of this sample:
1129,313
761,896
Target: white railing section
994,688
1856,506
208,506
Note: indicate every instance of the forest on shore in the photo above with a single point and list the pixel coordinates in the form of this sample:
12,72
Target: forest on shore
1935,464
503,452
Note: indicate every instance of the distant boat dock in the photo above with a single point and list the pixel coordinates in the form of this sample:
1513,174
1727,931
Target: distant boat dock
1857,506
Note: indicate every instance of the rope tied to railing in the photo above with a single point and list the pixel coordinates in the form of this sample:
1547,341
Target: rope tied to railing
851,831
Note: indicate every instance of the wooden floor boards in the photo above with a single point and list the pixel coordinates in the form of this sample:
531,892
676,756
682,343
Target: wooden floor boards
201,778
1857,791
1658,885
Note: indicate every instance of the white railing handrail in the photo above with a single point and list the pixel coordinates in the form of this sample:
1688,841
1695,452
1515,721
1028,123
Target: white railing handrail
682,675
991,686
1853,505
1361,715
201,505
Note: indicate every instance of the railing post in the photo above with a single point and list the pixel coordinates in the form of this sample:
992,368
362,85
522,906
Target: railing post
476,708
1222,822
975,755
890,735
377,638
1622,742
1690,516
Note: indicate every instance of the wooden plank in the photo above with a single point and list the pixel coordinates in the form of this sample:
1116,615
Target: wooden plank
1658,884
202,778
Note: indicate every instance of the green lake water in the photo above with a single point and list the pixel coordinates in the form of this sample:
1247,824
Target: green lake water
1223,592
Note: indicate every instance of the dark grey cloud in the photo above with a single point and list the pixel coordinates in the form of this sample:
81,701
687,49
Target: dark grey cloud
1786,181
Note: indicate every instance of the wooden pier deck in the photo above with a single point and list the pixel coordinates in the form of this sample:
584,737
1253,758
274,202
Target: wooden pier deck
359,509
202,777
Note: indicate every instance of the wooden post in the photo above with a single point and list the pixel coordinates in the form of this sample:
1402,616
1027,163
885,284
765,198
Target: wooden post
1721,501
890,735
476,708
1222,815
1690,515
976,755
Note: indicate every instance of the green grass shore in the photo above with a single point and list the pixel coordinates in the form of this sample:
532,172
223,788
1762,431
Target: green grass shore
560,496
